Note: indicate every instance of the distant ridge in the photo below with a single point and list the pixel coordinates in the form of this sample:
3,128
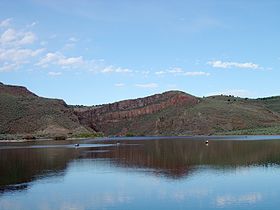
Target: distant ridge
168,113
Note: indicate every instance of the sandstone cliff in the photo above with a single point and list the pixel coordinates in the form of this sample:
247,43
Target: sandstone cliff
101,117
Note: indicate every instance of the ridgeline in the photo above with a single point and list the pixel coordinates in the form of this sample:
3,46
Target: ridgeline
24,114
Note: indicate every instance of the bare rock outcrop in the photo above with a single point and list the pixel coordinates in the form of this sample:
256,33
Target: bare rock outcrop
99,117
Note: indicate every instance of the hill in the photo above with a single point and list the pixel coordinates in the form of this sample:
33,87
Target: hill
178,113
170,113
23,112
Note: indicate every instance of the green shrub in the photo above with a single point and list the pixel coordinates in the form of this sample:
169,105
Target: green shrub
129,134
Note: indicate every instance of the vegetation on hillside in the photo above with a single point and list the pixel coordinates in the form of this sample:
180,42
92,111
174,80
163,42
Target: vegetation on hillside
25,115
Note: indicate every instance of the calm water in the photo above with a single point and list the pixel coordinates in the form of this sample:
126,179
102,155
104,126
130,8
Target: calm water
145,173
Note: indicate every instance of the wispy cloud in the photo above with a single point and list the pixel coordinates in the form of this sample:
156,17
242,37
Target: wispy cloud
160,72
18,55
12,37
119,85
32,24
5,23
179,71
226,65
71,43
61,60
175,70
9,67
147,85
196,73
73,39
54,74
112,69
16,47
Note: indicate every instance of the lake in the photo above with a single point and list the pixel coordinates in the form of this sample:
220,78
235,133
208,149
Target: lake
141,173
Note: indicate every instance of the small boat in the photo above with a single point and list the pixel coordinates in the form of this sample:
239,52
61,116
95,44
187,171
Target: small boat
118,143
206,142
76,145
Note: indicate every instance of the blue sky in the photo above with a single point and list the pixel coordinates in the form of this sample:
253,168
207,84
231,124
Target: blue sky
93,52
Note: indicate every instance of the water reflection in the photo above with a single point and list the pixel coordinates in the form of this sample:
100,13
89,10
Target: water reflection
170,171
178,158
20,166
171,158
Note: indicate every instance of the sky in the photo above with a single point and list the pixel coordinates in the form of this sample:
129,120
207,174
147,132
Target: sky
100,51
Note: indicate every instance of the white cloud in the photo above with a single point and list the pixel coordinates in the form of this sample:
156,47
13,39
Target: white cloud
5,23
8,36
9,67
59,59
71,61
180,71
119,85
71,43
54,74
13,58
196,73
32,24
11,37
175,70
112,69
147,85
27,38
48,58
123,70
160,72
225,65
73,39
96,66
14,47
15,51
18,55
108,69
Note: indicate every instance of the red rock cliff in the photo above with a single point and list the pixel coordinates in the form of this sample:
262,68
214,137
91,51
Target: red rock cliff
96,117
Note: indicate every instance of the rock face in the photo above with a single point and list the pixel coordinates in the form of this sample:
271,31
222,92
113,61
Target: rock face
99,117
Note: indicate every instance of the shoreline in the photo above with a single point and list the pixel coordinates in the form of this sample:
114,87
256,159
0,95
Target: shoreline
201,137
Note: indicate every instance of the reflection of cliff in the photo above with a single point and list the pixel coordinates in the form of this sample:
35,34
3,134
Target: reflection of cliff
24,165
171,158
177,158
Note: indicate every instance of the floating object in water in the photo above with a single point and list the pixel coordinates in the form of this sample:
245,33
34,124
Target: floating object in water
76,145
118,143
206,142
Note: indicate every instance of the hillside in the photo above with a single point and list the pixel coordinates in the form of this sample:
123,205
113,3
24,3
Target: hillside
23,112
178,113
169,113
